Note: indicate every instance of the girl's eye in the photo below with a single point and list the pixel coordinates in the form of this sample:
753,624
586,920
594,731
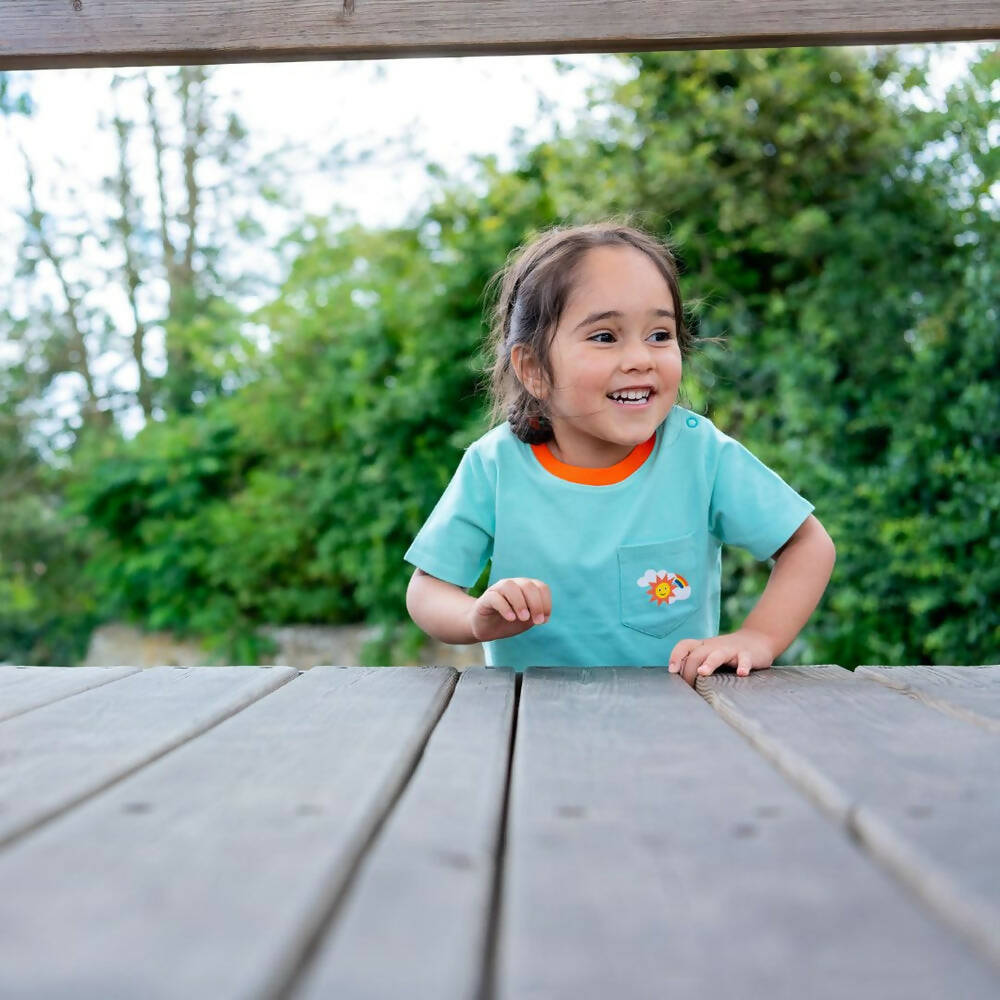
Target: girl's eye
662,335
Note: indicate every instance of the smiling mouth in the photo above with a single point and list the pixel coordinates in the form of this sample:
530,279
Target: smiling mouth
637,404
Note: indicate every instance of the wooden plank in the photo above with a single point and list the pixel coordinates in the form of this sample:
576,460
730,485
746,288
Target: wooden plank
57,755
25,688
651,852
918,788
208,872
969,693
416,920
39,33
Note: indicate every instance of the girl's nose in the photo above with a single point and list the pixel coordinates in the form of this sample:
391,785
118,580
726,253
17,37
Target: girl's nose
637,356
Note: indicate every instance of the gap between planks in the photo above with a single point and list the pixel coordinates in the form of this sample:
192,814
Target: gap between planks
326,924
912,868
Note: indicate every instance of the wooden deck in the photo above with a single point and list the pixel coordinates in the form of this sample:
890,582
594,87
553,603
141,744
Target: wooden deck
399,832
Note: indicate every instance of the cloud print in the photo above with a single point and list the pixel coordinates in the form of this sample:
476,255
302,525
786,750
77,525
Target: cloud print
650,577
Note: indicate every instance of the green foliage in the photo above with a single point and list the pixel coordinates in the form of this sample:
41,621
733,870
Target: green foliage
45,614
921,522
851,273
153,504
12,103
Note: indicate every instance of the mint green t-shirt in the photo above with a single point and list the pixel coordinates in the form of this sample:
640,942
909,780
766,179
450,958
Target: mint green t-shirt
634,566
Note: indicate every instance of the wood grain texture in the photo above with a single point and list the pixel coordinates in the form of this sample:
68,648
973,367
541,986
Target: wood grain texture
651,853
57,755
969,693
206,873
39,33
920,789
416,919
25,688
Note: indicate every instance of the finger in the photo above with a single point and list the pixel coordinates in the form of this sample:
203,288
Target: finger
689,671
692,660
496,600
695,658
679,653
546,598
714,660
744,663
511,589
533,597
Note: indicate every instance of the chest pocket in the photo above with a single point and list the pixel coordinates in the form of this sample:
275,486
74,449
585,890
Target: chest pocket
658,587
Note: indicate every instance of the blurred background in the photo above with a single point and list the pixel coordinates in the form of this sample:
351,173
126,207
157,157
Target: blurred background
243,310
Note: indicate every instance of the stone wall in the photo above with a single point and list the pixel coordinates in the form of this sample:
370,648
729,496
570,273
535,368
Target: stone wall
300,646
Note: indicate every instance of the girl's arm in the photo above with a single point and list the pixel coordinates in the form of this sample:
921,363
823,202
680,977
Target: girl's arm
507,607
440,609
802,569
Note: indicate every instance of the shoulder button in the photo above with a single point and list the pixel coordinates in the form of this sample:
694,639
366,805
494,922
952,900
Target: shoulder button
692,422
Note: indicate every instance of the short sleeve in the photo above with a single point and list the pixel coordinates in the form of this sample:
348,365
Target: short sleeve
752,506
456,541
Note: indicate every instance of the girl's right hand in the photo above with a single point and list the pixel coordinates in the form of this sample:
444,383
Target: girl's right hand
510,607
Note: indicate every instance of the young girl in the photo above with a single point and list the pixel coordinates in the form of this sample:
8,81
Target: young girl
601,502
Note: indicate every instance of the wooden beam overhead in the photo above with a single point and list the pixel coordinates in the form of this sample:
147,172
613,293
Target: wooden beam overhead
37,34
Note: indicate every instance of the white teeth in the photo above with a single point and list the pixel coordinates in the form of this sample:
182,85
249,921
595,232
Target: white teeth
633,394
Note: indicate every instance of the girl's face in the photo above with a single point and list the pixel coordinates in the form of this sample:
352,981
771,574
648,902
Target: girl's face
617,332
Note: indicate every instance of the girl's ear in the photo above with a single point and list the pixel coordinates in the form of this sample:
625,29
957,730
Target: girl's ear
527,370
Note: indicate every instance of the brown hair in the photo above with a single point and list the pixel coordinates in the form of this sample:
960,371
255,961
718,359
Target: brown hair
535,285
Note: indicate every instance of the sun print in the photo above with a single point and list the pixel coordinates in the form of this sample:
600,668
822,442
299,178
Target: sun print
664,587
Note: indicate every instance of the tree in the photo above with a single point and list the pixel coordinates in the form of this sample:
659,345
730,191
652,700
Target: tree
920,517
115,319
135,313
45,616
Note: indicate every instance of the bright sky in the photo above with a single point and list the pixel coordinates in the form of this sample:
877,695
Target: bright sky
455,107
452,107
449,108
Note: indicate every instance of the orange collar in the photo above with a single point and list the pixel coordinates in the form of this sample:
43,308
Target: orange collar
595,477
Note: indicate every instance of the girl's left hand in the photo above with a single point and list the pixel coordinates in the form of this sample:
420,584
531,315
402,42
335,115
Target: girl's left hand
744,649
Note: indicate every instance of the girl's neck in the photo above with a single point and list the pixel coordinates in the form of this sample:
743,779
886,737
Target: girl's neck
593,454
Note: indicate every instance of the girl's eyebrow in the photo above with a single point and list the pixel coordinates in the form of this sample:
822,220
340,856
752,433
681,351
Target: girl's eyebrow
615,314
